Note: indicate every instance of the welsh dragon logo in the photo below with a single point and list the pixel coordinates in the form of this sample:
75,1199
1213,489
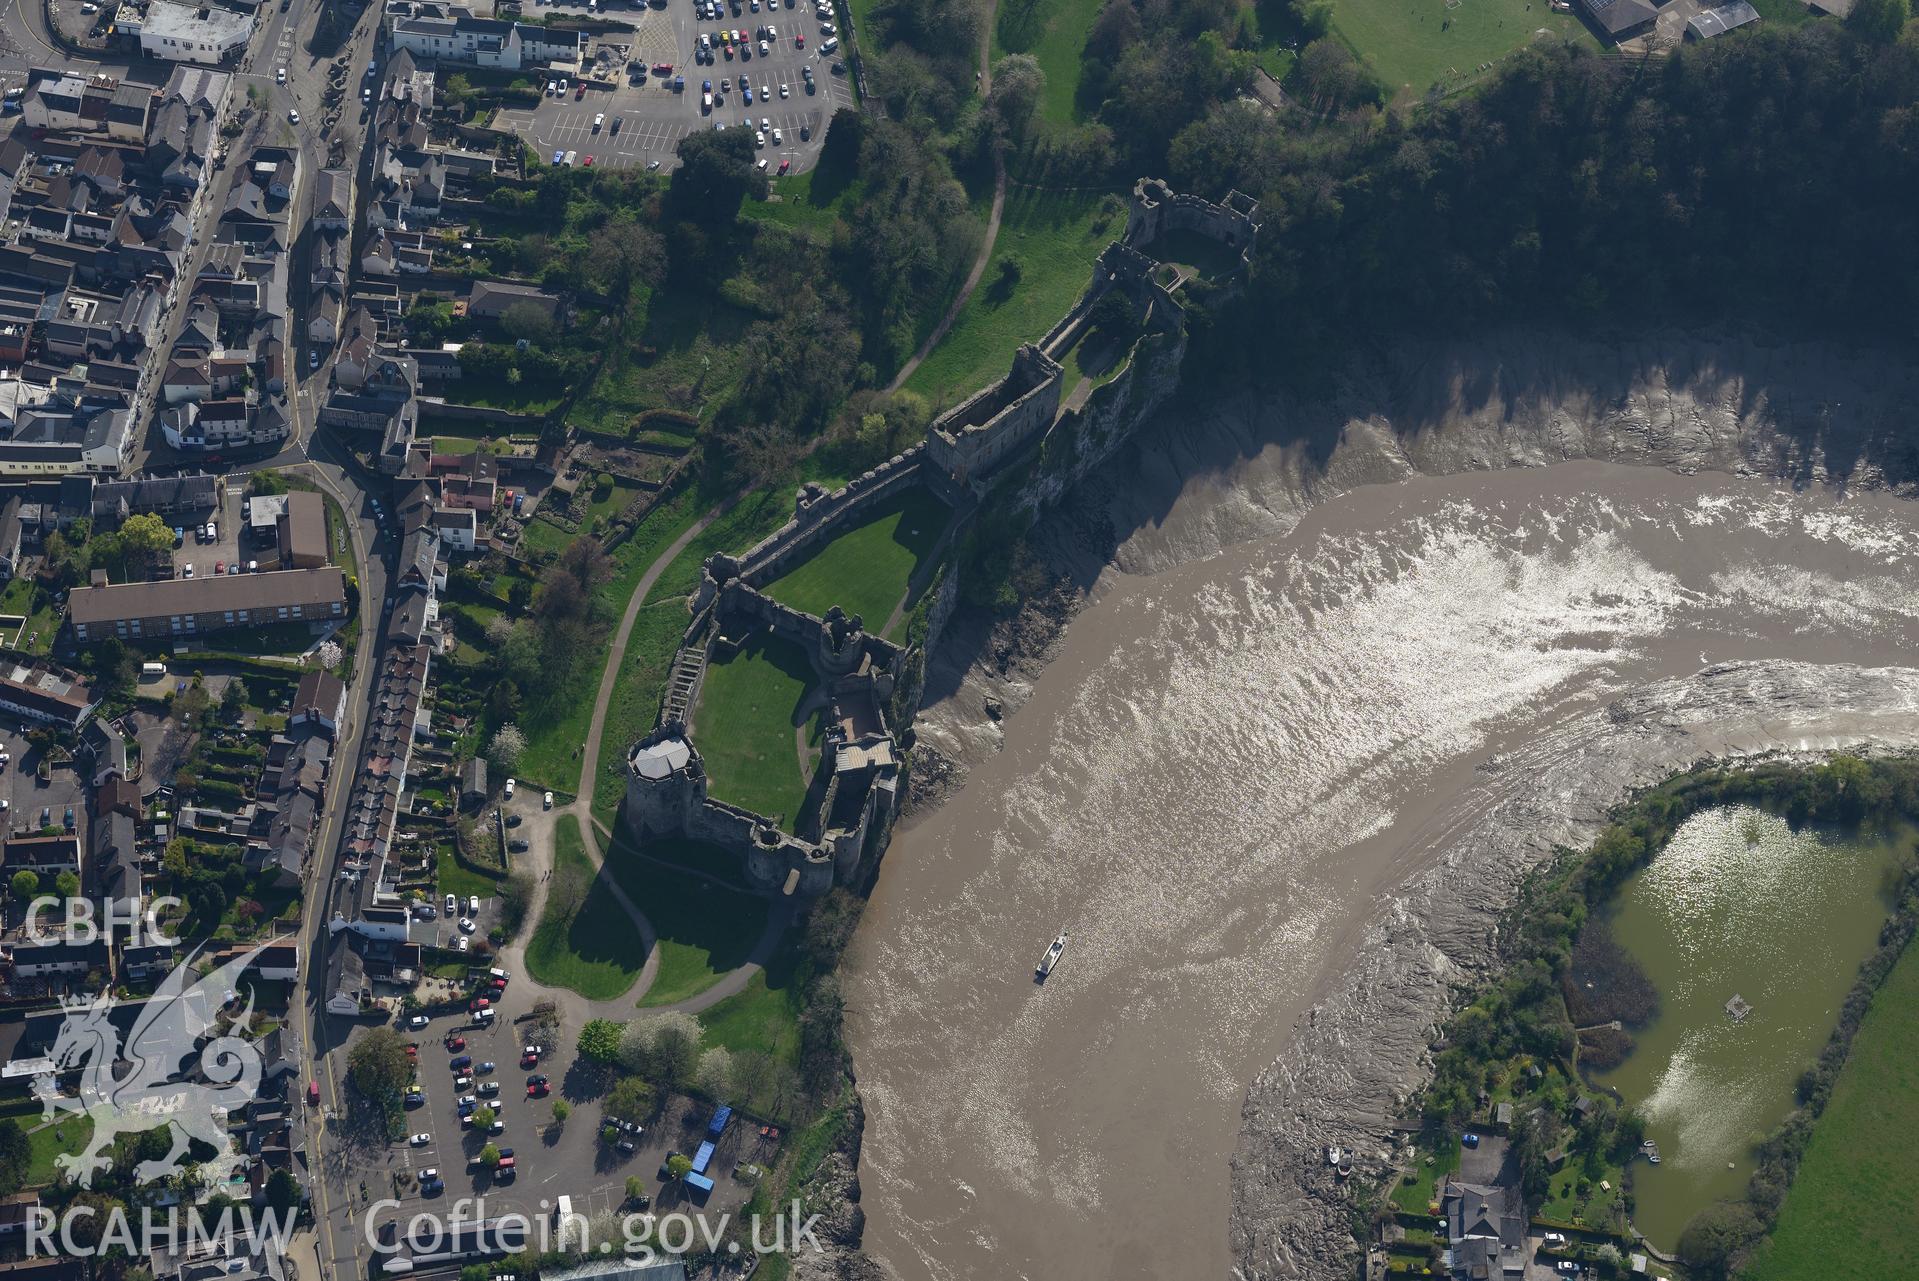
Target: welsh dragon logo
162,1085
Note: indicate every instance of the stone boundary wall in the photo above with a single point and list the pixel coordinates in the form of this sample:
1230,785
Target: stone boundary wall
819,517
967,451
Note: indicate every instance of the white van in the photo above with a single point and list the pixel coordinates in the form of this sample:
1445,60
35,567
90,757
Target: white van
152,671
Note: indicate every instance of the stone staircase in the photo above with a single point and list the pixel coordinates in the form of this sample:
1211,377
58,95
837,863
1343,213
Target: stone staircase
683,683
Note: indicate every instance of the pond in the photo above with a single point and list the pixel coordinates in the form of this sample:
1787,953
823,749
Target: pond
1738,904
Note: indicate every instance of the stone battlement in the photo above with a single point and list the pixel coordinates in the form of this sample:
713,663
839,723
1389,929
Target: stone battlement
967,450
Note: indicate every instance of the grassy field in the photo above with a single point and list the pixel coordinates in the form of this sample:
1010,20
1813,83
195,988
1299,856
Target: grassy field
585,940
65,1136
763,1016
457,878
1420,1187
745,722
1852,1211
686,354
1055,236
866,570
705,930
1054,32
1413,46
656,633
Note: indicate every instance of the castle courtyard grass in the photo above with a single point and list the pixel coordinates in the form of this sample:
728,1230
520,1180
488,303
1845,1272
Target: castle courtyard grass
867,569
1853,1209
585,941
744,726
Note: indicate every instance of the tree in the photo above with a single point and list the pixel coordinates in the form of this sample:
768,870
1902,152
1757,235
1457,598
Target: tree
283,1191
661,1046
529,321
67,885
678,1166
145,538
758,453
621,254
600,1040
1018,86
714,1075
1717,1237
635,1187
378,1065
266,481
561,1110
1878,21
508,745
716,175
16,1154
631,1099
483,1116
24,885
490,1156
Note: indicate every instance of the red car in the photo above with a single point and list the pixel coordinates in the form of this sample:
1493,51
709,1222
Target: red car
785,165
589,162
537,1091
530,1060
662,68
579,93
413,1051
455,1044
479,1003
313,1094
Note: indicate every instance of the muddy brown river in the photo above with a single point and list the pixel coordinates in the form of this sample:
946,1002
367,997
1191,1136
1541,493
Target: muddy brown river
1226,769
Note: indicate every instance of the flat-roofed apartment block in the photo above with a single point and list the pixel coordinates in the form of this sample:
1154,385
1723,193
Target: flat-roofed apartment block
195,606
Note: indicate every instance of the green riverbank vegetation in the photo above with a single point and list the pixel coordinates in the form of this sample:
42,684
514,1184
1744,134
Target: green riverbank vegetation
1513,1040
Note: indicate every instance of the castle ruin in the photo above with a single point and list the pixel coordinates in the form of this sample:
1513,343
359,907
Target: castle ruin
1026,430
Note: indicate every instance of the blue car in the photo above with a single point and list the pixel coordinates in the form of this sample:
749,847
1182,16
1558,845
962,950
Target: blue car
747,93
706,86
559,155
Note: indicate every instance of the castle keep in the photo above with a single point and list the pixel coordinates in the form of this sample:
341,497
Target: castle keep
1026,433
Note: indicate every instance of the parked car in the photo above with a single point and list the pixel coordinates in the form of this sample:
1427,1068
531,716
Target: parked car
461,1062
473,905
489,1088
517,846
452,902
546,802
537,1091
455,1044
418,1021
462,1082
420,1140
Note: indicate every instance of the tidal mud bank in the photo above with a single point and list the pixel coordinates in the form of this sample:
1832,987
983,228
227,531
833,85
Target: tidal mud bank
1315,685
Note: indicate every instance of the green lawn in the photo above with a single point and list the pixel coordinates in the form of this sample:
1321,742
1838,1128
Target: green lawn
585,941
1421,1185
656,632
1852,1210
1054,32
1101,362
1055,236
1415,44
866,570
705,930
763,1016
1564,1204
748,711
461,879
68,1135
455,445
545,536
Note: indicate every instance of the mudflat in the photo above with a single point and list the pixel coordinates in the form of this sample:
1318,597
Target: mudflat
1281,771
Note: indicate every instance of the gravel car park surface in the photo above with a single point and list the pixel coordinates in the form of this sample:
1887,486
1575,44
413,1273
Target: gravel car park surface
652,117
